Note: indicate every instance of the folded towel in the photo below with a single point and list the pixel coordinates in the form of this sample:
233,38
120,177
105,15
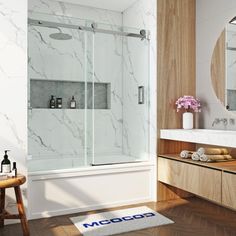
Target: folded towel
195,156
212,151
211,158
186,154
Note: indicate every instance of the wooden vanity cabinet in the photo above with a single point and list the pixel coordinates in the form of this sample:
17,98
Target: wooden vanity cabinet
202,181
229,189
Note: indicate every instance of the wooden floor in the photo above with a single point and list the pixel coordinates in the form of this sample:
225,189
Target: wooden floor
192,217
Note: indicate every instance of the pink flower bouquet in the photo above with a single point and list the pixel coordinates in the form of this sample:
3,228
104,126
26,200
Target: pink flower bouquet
188,102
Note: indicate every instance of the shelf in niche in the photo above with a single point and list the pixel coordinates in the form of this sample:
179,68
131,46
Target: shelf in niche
41,91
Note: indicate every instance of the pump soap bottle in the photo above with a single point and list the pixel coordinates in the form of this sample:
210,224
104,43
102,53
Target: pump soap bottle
73,103
6,164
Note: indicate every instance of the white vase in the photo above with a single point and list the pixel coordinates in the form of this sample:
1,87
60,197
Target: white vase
187,120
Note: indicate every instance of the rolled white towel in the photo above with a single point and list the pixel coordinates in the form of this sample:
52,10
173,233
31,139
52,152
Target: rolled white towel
195,156
212,151
186,154
211,158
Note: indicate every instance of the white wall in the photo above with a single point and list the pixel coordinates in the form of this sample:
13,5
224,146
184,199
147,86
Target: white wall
211,18
13,84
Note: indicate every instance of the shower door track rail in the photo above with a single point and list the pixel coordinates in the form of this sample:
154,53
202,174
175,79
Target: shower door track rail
93,28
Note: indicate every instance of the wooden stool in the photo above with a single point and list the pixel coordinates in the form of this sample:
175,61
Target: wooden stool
13,182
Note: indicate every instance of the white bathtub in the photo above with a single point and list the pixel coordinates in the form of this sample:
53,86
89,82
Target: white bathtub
65,191
49,163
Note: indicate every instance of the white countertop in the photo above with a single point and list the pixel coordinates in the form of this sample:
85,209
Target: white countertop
203,136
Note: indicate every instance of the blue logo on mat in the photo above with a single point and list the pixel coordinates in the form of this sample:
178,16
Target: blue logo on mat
118,220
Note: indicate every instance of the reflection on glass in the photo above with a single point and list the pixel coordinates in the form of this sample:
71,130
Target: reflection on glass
231,66
100,67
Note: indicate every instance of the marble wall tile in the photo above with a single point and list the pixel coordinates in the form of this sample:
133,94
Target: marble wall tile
56,133
75,60
64,133
123,63
141,15
52,59
13,89
76,11
135,116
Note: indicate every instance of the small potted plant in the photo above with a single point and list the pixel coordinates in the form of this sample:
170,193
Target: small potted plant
188,103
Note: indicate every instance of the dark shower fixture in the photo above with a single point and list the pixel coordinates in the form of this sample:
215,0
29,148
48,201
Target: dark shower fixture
60,35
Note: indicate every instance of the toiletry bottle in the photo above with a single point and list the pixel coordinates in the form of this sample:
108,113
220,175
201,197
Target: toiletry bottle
6,164
59,102
72,103
14,170
52,103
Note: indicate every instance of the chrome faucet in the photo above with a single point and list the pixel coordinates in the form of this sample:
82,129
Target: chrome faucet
215,122
218,121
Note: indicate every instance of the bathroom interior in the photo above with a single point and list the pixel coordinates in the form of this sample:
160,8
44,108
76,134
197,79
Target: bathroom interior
92,123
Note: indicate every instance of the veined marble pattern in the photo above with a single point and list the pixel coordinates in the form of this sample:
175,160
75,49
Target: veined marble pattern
56,133
141,15
63,133
52,59
75,60
13,77
13,89
76,11
12,39
135,116
123,128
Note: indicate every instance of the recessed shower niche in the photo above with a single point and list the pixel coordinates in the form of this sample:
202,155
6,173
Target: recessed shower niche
42,90
103,67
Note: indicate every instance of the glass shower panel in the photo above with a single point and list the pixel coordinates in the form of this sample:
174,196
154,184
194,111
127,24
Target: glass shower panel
107,97
105,69
121,99
136,98
57,67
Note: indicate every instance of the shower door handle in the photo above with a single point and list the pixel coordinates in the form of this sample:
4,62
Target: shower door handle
141,95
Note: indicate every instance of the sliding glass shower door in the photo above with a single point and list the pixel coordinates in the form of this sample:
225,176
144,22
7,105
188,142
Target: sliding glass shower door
88,94
60,117
121,99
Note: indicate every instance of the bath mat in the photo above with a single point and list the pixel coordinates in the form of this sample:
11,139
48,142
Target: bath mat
120,221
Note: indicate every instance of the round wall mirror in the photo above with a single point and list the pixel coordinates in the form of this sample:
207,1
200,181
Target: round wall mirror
223,66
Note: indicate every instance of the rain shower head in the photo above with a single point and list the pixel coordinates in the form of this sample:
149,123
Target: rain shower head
60,35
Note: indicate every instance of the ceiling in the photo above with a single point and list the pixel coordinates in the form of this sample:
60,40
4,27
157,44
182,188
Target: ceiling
114,5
